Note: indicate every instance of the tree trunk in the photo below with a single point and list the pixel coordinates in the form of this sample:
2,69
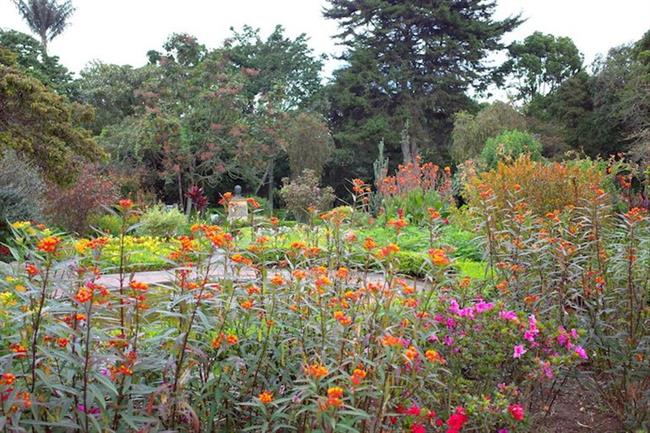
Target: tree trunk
271,180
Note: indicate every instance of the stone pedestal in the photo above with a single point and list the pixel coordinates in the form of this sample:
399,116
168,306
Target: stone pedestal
237,210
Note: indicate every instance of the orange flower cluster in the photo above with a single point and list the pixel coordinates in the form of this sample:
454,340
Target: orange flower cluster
342,318
435,357
358,375
334,398
231,339
316,370
425,176
125,204
18,350
398,223
265,397
48,244
438,257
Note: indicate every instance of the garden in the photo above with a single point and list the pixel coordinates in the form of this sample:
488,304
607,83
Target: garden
422,220
399,311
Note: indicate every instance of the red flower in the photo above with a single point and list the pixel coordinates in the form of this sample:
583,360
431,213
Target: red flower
457,420
516,411
418,428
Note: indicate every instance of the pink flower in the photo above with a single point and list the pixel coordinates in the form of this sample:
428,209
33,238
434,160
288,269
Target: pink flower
519,350
508,315
482,306
581,352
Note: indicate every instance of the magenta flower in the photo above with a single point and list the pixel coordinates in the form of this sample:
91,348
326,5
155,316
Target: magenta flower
519,350
581,352
508,315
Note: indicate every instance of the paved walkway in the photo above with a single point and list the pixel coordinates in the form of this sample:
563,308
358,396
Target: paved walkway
217,271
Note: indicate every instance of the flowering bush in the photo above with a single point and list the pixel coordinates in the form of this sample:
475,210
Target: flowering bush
582,265
543,187
231,344
414,189
303,195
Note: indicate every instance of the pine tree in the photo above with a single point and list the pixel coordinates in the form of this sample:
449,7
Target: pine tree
410,60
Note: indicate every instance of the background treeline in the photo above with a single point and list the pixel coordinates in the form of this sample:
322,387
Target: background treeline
256,109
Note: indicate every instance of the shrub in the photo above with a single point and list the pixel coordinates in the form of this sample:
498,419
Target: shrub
109,224
544,187
21,189
472,131
159,221
508,146
71,207
414,188
304,193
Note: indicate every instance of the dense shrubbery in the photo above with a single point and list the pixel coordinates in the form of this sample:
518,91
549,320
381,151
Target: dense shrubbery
509,146
304,195
21,189
543,187
162,222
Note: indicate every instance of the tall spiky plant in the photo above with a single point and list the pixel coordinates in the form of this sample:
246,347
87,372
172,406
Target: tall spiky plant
46,18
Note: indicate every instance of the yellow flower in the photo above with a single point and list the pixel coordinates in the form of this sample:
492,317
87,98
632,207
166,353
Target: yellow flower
81,245
19,225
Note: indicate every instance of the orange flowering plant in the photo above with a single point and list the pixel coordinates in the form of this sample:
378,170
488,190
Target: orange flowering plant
329,337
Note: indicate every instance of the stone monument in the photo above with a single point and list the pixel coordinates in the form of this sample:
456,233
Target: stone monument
237,207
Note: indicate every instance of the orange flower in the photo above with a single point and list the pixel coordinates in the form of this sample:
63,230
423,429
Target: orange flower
125,204
139,285
316,370
433,213
277,280
31,269
438,257
253,203
84,294
62,342
274,221
7,379
388,251
48,244
246,304
391,340
358,375
369,244
434,356
225,199
265,397
299,274
411,353
232,339
342,273
19,350
335,392
216,341
342,318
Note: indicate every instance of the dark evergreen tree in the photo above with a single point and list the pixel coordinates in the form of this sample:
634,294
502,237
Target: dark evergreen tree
409,62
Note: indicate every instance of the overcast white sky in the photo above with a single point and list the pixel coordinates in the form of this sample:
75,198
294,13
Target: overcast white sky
122,31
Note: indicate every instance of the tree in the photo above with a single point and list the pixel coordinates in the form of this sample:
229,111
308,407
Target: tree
112,90
471,131
307,141
41,125
46,18
409,60
33,59
539,64
284,69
